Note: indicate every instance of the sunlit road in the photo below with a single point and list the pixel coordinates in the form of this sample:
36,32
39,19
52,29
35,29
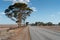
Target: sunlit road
37,33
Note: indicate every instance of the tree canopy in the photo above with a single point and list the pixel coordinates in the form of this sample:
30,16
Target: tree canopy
18,11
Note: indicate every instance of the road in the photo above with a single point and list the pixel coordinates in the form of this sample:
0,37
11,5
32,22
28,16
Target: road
37,33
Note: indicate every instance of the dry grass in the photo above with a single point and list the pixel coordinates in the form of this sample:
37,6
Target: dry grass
55,28
8,25
14,34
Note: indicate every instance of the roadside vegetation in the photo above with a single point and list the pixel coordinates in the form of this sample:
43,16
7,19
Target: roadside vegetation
44,24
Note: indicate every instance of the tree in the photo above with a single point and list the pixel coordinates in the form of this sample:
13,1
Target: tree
27,23
59,23
39,23
36,23
18,12
49,23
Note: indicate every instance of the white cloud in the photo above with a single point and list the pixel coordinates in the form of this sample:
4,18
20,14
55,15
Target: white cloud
22,1
14,1
52,16
34,8
59,13
2,13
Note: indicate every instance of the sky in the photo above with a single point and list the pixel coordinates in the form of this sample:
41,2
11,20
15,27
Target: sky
44,11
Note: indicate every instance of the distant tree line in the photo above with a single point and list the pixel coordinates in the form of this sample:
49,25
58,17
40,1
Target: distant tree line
43,24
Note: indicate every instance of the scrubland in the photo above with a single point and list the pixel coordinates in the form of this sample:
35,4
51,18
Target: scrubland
12,32
55,28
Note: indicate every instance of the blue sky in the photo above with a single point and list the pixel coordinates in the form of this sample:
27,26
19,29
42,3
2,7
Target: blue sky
45,11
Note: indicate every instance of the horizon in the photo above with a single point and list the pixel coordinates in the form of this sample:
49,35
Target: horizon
44,11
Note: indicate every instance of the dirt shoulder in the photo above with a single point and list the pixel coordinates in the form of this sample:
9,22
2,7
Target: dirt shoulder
20,34
15,34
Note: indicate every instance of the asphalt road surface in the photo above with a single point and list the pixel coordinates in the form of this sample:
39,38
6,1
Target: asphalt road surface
37,33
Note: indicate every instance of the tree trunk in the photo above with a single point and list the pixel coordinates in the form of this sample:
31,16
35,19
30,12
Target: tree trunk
19,24
19,20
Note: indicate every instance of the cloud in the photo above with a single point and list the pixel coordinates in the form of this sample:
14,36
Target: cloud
55,14
34,8
52,16
21,1
58,13
2,13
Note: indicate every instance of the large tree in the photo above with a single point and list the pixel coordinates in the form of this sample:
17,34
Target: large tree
18,12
